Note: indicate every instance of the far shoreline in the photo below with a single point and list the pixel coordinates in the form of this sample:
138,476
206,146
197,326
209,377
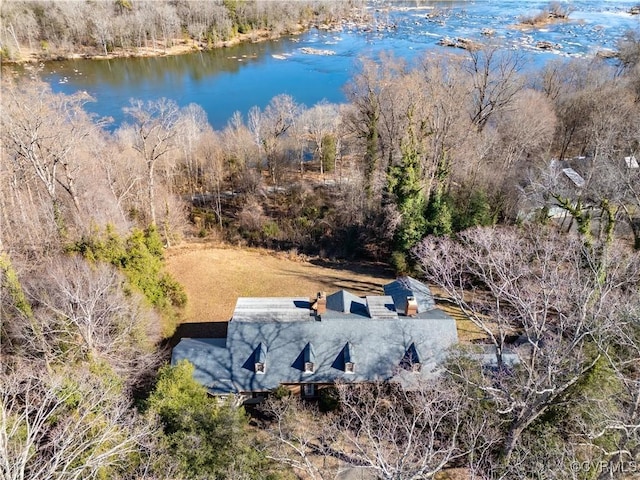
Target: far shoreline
177,47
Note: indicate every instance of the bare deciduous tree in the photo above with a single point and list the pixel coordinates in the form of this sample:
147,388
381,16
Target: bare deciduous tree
496,79
526,131
154,134
384,428
560,297
364,94
211,154
320,121
63,426
193,126
297,432
82,312
446,128
42,132
269,127
400,433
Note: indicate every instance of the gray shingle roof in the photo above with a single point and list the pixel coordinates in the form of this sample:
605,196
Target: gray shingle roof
285,335
381,347
345,302
405,287
270,309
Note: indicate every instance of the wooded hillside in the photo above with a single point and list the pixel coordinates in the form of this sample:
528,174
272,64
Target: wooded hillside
39,30
523,190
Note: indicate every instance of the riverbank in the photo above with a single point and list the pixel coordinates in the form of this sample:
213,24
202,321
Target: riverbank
158,49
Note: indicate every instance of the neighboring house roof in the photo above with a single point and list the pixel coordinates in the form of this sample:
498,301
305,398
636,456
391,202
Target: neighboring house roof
285,333
574,176
487,356
569,169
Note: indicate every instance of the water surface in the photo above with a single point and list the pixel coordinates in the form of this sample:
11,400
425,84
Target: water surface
236,78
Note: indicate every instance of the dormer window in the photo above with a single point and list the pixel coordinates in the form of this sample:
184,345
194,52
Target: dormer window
309,358
347,357
411,360
260,358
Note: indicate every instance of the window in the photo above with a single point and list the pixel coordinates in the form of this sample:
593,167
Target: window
347,358
260,358
308,390
309,357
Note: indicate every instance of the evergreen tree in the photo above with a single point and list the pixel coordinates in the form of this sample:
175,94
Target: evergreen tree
405,184
439,216
207,437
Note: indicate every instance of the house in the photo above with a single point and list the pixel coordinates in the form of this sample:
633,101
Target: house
304,343
581,181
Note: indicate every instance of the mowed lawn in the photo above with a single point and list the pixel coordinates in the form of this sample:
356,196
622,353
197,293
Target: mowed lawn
215,276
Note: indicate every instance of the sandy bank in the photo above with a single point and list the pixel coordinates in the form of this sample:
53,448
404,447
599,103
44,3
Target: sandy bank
160,49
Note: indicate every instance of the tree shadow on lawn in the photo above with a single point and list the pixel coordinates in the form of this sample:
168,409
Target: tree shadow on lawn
198,330
380,274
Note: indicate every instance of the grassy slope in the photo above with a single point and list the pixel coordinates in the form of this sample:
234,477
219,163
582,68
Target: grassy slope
215,276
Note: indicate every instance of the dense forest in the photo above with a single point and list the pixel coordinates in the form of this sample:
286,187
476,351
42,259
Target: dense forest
516,191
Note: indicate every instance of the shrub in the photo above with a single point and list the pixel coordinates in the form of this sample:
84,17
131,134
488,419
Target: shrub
399,262
9,281
281,392
140,257
329,399
205,438
270,230
475,211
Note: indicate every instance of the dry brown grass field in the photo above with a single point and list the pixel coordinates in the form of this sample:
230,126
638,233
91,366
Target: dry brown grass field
214,276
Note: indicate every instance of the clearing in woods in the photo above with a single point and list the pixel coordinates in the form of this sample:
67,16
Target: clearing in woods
215,276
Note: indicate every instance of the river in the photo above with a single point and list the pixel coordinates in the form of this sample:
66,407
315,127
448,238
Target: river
316,65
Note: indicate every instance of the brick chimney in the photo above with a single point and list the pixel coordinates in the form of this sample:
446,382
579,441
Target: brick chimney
320,303
411,307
